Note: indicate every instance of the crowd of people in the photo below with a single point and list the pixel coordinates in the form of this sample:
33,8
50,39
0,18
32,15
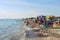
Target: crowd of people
46,21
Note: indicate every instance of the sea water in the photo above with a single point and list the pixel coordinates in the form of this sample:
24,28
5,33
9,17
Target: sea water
8,27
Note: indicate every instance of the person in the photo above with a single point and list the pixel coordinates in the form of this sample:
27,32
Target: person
32,23
39,20
27,22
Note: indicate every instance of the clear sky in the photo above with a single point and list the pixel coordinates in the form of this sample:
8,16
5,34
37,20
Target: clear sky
28,8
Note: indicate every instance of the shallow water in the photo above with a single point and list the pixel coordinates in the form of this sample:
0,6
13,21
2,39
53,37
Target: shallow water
9,27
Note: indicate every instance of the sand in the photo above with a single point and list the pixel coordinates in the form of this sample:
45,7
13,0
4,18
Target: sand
45,37
31,35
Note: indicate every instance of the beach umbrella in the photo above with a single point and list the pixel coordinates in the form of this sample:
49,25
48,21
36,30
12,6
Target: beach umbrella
47,17
52,16
42,16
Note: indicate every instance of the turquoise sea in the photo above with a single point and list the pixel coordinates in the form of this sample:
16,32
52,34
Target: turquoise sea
8,27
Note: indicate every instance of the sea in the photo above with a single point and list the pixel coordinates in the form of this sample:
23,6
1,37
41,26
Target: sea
9,27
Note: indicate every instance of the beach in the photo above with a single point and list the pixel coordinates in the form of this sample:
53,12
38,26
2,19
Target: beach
44,37
31,35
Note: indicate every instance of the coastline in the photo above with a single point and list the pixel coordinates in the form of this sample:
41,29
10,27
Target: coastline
32,36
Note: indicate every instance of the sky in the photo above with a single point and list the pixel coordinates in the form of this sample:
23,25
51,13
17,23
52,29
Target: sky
28,8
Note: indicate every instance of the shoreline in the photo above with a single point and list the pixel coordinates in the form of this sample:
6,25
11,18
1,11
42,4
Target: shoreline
22,35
